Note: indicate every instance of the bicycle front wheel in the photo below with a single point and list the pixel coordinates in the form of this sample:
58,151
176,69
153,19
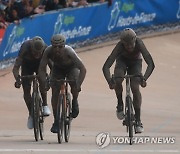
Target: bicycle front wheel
67,118
60,118
41,120
130,118
35,114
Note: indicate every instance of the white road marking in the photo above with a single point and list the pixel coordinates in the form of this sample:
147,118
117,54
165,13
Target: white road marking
91,150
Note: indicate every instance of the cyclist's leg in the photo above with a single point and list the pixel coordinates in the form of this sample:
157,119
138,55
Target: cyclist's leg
46,110
43,94
56,74
119,70
136,68
26,84
73,75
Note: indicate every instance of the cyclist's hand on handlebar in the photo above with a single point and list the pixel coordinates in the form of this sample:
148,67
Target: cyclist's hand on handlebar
78,86
143,82
17,84
111,84
79,89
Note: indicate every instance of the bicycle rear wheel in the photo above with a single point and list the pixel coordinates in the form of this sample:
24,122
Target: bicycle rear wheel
60,118
130,118
35,114
67,117
41,120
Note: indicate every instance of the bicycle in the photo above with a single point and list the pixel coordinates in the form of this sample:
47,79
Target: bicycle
64,110
129,120
36,108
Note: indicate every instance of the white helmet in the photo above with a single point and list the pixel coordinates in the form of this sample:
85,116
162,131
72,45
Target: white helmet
58,40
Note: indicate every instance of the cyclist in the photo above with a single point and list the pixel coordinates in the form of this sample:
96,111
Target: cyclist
66,63
127,54
28,59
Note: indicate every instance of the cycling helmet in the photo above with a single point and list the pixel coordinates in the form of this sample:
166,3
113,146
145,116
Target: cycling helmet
58,40
128,35
38,44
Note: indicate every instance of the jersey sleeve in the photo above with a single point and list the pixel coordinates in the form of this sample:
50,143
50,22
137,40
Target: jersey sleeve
148,59
109,61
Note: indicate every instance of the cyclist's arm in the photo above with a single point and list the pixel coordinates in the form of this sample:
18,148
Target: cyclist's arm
18,61
78,63
42,67
50,63
82,69
108,63
16,67
148,59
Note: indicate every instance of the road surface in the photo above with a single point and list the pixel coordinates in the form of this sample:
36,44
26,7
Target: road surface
160,108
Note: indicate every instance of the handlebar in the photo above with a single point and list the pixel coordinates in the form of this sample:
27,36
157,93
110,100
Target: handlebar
18,83
29,76
127,76
63,81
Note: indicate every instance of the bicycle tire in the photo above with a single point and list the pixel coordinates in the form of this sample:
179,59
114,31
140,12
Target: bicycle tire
60,119
35,111
41,120
67,117
129,117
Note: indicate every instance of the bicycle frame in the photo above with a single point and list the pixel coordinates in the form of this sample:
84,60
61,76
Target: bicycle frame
129,109
63,110
34,81
63,91
129,120
128,87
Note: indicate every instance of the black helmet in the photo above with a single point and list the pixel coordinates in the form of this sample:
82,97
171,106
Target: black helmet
58,40
38,44
128,35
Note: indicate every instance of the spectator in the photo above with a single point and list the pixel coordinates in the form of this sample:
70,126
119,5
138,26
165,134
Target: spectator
2,5
39,6
12,11
100,1
54,4
18,9
14,18
28,8
77,3
94,1
36,3
3,23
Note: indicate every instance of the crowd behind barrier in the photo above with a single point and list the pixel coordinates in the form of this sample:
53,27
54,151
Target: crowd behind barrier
80,24
14,10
